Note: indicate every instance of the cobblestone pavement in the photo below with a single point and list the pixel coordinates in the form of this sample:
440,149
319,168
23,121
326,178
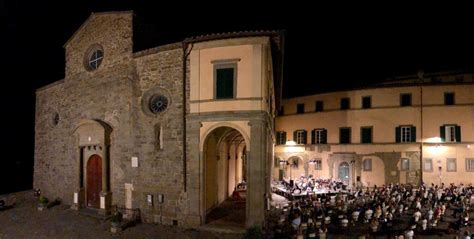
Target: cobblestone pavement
25,221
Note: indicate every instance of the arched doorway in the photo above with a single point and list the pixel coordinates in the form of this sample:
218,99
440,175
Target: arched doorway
94,181
225,177
343,172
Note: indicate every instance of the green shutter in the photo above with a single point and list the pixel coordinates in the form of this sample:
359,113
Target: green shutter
294,136
313,136
442,133
413,134
324,137
304,137
225,83
458,133
398,136
284,137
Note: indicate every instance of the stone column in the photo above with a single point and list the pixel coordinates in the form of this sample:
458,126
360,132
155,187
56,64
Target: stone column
255,201
105,195
78,195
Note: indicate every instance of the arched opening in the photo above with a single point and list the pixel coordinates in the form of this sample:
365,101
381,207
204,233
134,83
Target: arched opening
225,177
343,172
94,181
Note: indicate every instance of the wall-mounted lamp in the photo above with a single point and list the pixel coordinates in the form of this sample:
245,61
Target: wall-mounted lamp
149,200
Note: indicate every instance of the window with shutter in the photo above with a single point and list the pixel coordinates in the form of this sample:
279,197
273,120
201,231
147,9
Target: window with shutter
225,80
366,135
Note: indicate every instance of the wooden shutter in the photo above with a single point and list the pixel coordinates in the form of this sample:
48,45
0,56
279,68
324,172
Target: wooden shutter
313,136
304,137
294,136
413,134
442,133
398,132
324,139
458,133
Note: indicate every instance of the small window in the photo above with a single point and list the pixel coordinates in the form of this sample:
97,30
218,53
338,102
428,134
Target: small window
451,165
300,108
225,80
96,59
366,102
405,99
470,165
405,164
449,98
299,136
319,106
319,136
450,133
428,165
366,135
368,165
345,103
281,137
345,135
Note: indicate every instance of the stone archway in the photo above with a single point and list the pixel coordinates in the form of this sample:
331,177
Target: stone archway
93,142
225,167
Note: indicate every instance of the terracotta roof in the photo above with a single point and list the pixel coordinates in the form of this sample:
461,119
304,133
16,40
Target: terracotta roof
226,35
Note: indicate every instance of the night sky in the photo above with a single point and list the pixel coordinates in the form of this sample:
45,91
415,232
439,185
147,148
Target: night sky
327,48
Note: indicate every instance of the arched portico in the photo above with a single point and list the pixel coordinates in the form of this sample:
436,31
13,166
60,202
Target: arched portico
93,141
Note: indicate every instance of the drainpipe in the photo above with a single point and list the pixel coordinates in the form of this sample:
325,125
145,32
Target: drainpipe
185,57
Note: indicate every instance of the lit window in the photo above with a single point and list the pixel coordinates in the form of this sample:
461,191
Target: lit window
470,165
405,164
319,136
405,134
300,136
428,165
451,165
368,165
450,133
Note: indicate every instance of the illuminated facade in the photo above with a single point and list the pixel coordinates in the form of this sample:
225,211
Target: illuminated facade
375,135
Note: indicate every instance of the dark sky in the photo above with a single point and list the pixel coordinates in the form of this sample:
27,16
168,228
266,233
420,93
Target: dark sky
327,47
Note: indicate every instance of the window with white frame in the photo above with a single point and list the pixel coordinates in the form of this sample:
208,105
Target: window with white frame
450,133
405,164
281,138
300,136
428,165
470,165
367,164
451,165
406,134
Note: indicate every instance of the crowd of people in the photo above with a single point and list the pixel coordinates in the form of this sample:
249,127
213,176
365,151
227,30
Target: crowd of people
390,209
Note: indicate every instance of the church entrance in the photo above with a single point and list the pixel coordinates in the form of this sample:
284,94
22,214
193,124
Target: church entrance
94,181
225,164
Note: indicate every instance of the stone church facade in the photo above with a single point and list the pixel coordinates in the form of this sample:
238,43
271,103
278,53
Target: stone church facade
169,130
